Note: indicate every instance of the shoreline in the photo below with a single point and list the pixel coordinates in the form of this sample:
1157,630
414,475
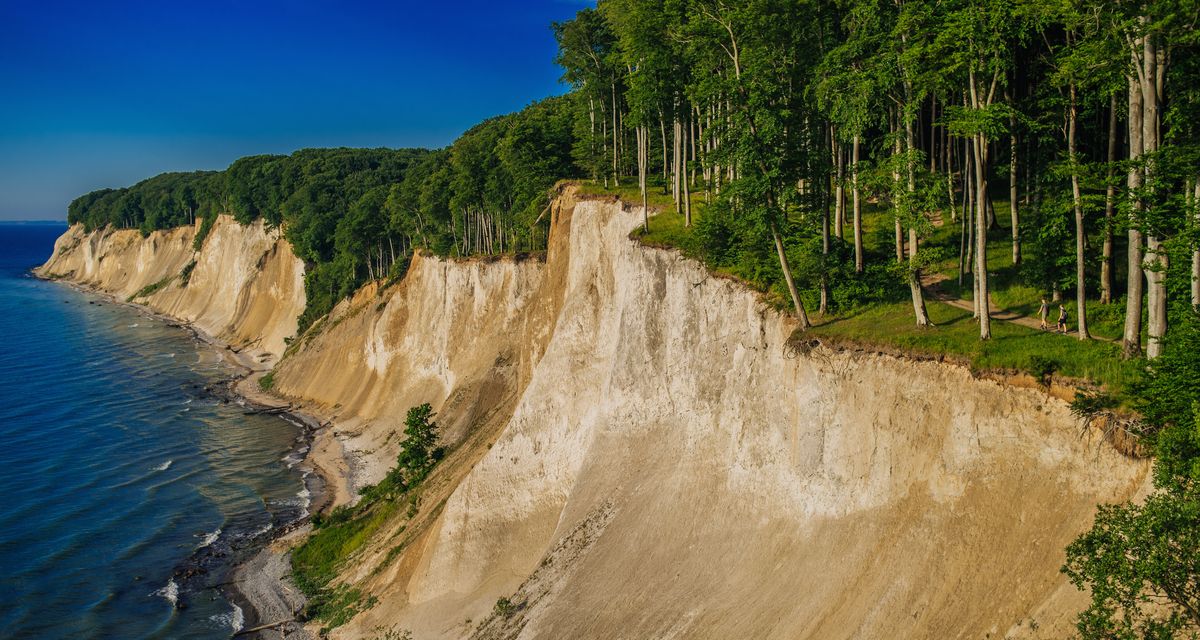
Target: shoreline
259,584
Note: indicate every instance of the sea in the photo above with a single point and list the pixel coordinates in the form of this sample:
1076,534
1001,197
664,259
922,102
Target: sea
128,487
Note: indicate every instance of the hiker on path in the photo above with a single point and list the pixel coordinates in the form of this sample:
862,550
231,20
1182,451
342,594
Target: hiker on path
1044,314
1062,319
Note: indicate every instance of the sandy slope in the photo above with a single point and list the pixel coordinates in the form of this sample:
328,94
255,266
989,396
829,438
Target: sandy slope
638,453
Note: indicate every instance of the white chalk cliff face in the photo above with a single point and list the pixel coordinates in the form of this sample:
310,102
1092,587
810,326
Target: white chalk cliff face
637,453
245,288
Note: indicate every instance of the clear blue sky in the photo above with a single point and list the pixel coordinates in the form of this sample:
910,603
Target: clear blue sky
101,94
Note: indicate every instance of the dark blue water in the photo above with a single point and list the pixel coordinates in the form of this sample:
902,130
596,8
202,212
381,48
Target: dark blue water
120,473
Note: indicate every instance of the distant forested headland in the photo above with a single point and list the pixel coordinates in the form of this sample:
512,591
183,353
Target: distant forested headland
355,215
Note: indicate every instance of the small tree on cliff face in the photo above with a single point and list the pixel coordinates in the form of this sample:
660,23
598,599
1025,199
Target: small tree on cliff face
1141,563
420,450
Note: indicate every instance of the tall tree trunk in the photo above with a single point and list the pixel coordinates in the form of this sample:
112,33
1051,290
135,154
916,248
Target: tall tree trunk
1077,201
687,199
1012,188
1132,341
616,136
1196,249
1110,192
981,273
839,190
948,168
676,164
666,166
824,303
914,271
643,142
899,229
787,277
1156,267
858,230
969,203
964,248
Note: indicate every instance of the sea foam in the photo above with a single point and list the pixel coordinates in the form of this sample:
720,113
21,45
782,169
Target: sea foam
169,592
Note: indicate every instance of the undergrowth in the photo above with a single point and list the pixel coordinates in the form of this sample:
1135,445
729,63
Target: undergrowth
343,532
150,289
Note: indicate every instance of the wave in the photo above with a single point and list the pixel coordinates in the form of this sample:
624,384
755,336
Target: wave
210,538
234,620
254,535
170,592
164,466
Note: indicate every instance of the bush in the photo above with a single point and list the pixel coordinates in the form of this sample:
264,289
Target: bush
150,289
1041,367
505,607
185,276
346,529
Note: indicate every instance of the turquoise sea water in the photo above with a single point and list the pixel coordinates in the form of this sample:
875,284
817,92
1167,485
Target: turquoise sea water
127,487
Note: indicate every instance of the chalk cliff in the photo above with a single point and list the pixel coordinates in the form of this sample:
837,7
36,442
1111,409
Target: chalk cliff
637,452
244,287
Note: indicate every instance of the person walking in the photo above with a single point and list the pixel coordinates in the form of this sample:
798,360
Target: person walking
1044,314
1062,319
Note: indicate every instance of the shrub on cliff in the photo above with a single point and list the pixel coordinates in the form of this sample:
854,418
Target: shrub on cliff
420,451
346,529
1141,562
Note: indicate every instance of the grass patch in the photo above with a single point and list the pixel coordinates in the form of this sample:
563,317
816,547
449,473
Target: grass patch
267,382
345,531
341,534
185,276
206,225
336,606
150,289
957,334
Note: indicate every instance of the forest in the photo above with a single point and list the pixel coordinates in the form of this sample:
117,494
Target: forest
356,215
851,155
841,156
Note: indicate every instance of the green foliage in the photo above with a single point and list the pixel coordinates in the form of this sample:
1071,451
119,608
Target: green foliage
1089,404
1041,367
206,225
1166,395
352,214
151,289
419,452
267,382
341,533
336,606
185,275
504,608
162,202
1141,562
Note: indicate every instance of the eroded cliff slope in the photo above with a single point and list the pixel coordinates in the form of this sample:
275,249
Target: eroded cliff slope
244,287
637,453
652,460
